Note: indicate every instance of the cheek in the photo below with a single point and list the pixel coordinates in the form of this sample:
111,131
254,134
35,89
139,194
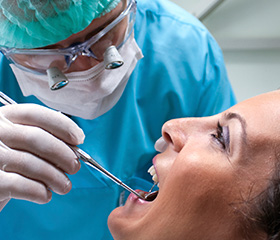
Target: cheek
119,32
190,203
197,187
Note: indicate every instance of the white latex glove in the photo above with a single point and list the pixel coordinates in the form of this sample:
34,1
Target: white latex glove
34,156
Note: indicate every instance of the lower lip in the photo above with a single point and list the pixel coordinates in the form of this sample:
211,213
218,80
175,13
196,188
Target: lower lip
134,206
133,198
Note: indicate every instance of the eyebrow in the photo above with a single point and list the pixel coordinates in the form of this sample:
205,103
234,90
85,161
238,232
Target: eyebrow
231,115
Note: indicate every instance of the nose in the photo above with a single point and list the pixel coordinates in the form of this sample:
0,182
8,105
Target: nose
82,63
174,132
179,131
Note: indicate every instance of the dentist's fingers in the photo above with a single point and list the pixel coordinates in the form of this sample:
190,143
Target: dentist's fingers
3,203
160,145
40,143
34,152
34,168
52,121
35,140
16,186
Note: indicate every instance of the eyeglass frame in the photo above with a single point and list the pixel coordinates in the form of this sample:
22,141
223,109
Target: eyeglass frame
73,51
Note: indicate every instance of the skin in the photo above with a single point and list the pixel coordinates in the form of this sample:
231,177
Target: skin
203,185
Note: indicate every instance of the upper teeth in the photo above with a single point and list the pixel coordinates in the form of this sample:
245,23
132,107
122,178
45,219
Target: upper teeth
152,171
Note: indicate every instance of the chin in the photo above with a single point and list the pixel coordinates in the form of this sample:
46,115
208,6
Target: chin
126,222
115,225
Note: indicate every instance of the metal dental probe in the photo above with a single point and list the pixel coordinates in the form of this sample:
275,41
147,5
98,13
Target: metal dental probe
4,99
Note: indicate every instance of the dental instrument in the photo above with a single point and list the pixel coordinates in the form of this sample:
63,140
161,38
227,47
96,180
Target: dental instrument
4,99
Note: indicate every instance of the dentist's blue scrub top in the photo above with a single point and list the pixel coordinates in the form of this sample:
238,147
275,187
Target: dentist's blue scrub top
182,74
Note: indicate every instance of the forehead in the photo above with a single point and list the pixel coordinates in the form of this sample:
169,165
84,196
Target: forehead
262,116
94,27
261,111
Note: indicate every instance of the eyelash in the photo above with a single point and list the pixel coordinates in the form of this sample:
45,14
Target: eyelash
219,136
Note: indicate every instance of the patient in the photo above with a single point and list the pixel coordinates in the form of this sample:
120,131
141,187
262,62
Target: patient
218,176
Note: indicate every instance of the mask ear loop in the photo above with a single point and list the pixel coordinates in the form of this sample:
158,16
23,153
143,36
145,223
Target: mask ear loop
56,78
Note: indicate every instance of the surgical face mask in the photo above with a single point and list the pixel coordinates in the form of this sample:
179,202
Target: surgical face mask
89,93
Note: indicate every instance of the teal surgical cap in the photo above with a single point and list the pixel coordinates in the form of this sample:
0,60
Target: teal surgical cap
38,23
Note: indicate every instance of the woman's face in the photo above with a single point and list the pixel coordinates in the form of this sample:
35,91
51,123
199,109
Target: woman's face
210,167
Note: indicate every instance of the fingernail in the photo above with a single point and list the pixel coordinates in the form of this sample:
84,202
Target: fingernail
80,136
49,195
78,163
67,187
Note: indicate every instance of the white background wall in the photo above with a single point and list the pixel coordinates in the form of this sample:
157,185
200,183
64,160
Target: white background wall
248,32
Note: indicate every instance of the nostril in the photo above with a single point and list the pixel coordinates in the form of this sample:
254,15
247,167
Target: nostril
167,137
175,138
174,134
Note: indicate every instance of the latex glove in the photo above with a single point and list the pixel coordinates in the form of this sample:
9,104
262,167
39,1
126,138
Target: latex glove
34,156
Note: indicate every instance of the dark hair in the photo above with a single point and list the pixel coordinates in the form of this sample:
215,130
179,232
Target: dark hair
265,214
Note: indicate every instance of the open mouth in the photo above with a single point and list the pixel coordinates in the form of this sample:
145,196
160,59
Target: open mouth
148,196
151,196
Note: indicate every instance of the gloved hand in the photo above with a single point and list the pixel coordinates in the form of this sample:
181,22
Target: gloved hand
34,156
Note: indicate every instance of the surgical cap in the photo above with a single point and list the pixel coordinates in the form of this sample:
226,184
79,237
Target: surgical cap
38,23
